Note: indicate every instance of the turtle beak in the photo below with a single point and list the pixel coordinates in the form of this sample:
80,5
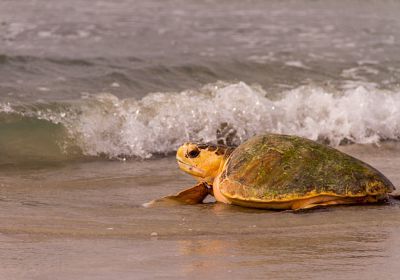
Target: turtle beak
192,170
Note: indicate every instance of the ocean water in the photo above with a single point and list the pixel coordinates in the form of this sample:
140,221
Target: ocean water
95,99
120,80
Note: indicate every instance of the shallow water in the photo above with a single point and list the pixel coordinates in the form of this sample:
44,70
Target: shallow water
85,220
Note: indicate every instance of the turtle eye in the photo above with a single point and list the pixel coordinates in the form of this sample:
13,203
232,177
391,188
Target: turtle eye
193,153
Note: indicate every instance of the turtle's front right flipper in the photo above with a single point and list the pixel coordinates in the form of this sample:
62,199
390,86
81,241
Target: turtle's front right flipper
194,195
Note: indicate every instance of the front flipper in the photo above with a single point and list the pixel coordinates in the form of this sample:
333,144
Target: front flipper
194,195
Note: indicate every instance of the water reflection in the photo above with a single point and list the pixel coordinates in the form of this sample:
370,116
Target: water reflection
295,253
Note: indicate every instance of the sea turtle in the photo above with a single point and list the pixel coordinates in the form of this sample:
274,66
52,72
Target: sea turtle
274,171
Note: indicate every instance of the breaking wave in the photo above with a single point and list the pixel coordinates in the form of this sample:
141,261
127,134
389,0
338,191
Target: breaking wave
104,125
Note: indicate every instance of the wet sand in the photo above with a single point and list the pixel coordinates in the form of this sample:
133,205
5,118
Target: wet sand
85,221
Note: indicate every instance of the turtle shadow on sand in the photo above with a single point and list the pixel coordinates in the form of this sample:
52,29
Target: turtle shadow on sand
215,206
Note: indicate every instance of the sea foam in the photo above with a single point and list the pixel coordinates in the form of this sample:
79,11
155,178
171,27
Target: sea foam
158,123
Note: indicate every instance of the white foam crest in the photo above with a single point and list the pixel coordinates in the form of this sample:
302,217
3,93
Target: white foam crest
6,108
160,122
358,115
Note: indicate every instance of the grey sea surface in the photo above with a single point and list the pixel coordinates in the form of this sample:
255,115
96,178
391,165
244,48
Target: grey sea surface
86,221
123,79
58,50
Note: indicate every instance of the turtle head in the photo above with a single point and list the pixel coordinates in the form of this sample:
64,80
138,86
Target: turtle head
202,161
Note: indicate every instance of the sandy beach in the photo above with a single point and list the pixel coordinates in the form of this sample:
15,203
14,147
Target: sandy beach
85,220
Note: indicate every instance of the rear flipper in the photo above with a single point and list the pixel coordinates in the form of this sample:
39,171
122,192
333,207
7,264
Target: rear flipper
395,196
194,195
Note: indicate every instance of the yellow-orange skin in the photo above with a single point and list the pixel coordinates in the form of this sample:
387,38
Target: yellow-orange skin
210,164
205,167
